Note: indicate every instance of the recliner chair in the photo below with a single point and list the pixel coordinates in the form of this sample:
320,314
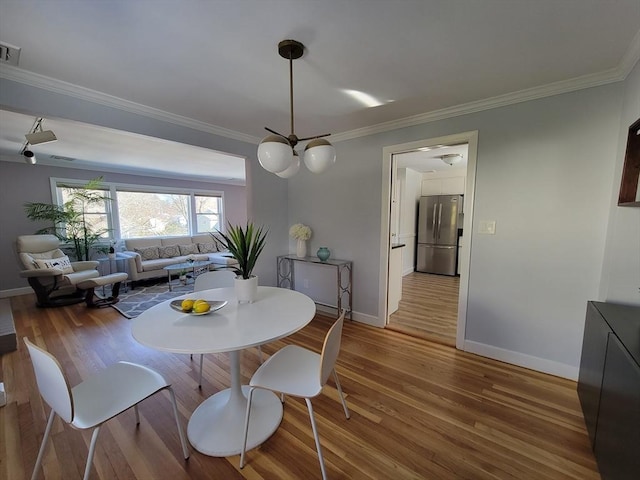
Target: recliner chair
49,272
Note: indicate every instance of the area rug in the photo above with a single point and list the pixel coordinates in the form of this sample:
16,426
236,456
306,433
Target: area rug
133,302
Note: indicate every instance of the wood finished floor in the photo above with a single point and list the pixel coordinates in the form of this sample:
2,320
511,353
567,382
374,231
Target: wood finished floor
419,410
428,308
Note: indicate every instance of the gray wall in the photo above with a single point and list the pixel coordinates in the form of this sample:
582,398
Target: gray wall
547,171
621,269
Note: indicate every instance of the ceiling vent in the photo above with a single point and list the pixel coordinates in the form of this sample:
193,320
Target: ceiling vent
9,54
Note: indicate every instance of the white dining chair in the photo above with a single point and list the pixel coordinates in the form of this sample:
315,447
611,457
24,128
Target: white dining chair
215,279
299,372
94,401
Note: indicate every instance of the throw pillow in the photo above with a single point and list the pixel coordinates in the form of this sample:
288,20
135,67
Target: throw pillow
188,249
63,263
207,247
149,253
169,251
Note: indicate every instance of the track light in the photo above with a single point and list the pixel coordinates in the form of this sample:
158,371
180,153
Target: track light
38,136
29,157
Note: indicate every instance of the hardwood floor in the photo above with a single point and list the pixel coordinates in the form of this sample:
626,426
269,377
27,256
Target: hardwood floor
429,307
419,410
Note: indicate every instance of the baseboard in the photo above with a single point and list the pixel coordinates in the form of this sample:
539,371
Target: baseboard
358,317
523,360
14,292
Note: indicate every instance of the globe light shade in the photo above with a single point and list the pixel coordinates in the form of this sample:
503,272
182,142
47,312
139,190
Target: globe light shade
319,155
275,154
293,168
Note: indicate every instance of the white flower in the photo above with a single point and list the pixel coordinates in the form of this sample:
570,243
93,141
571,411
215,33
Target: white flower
300,232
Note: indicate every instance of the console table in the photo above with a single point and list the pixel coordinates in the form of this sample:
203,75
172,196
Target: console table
344,271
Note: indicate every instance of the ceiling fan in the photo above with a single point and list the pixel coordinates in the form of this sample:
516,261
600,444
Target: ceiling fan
276,152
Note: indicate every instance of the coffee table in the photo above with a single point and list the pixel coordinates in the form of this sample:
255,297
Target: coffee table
216,426
187,266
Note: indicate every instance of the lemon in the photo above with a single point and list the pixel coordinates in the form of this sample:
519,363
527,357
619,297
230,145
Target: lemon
201,307
187,304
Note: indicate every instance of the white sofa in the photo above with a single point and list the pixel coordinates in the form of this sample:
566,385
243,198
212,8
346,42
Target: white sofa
148,256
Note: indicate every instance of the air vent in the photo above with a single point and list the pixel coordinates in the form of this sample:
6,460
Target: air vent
9,54
58,157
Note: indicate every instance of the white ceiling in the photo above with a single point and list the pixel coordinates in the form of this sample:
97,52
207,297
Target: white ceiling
216,63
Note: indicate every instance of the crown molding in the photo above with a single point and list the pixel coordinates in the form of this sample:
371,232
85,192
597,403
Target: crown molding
616,74
565,86
32,79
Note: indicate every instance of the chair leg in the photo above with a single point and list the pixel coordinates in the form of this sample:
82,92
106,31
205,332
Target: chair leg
260,354
135,409
43,446
92,449
344,404
317,439
200,380
246,427
185,450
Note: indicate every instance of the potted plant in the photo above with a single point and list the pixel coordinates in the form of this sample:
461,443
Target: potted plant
245,245
70,223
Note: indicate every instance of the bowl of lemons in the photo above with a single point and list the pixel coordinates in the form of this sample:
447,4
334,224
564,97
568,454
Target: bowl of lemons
197,306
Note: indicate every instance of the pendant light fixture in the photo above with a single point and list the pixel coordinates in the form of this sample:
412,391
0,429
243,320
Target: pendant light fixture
276,152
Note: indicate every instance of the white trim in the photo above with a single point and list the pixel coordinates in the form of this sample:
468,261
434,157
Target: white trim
357,317
14,292
65,88
113,212
612,75
471,138
523,360
557,88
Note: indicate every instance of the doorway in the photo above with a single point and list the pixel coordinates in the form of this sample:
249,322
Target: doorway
445,297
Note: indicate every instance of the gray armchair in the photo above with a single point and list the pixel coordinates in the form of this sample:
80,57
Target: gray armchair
50,273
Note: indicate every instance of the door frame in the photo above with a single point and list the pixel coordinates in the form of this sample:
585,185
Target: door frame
471,138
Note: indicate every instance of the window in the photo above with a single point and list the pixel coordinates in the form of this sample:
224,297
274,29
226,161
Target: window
135,211
91,206
143,214
208,212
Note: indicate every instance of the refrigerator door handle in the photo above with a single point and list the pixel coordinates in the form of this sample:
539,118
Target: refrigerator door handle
439,220
433,227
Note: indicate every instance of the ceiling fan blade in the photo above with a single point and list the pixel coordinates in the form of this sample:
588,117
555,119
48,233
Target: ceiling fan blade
314,137
275,133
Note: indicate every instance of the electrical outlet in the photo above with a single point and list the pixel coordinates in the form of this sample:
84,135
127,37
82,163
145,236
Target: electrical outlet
305,282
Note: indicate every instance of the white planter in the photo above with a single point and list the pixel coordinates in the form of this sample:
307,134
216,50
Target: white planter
246,290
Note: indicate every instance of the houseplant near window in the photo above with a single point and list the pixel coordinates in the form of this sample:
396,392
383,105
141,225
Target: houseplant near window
70,223
245,245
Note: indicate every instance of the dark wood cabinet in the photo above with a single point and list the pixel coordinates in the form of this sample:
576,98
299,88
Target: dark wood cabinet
609,387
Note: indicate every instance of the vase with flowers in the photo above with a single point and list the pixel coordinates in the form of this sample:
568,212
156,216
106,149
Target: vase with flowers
301,233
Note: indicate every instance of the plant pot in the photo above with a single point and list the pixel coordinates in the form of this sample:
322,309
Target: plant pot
246,289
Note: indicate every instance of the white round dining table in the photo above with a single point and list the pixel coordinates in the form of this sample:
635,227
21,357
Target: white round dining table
216,426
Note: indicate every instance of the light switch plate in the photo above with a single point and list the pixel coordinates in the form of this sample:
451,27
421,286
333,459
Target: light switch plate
487,227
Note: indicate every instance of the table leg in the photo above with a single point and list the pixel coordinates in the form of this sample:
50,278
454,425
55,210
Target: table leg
169,280
216,427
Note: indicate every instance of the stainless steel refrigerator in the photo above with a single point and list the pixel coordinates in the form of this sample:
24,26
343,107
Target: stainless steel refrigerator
438,220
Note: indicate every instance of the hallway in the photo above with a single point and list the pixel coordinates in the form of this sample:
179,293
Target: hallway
429,307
